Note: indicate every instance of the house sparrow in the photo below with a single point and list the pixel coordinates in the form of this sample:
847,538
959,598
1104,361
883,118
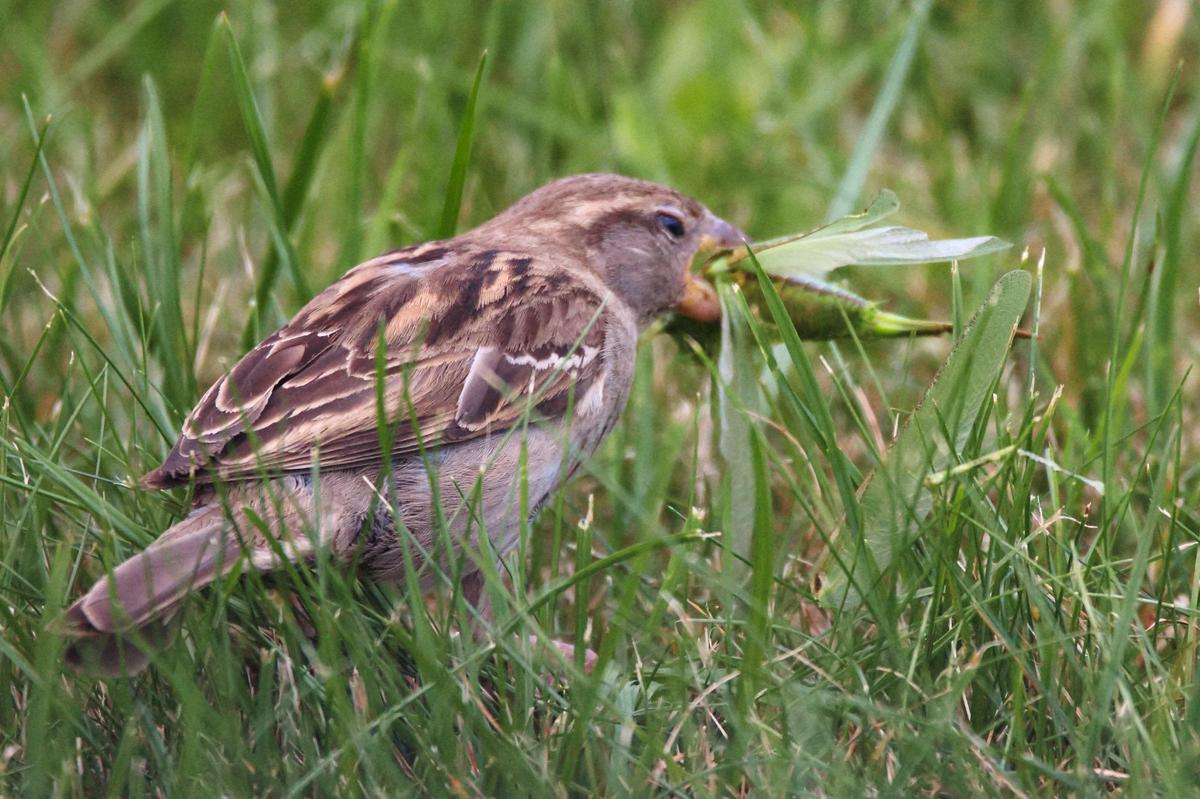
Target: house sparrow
511,342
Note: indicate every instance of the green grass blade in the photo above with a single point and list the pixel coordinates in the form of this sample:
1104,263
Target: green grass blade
265,171
895,495
462,157
11,232
1115,400
872,135
243,92
374,32
160,248
312,145
1162,339
815,410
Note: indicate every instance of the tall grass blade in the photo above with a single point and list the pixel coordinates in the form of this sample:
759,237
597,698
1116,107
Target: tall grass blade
895,497
462,157
872,134
10,232
160,248
252,121
1162,343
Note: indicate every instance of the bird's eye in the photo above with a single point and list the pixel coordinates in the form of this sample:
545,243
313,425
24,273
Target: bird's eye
671,223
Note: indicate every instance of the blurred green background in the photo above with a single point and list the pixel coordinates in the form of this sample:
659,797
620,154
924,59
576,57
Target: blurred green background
1026,120
128,284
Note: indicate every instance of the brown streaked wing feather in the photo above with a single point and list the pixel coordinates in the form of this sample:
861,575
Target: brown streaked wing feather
461,360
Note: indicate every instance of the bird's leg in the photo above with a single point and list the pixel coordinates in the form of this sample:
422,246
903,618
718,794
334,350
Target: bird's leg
590,658
473,585
475,594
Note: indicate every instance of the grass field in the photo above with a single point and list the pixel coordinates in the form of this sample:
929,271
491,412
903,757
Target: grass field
175,179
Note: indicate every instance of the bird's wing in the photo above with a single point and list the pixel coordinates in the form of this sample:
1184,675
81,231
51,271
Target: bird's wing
476,342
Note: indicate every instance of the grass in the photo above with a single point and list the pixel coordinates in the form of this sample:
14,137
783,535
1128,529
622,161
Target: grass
175,179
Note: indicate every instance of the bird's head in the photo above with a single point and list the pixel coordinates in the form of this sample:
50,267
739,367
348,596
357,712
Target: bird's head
642,238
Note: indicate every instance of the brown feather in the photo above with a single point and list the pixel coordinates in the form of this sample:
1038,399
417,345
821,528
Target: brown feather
311,386
127,614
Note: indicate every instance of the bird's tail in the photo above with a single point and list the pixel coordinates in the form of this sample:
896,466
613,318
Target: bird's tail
126,616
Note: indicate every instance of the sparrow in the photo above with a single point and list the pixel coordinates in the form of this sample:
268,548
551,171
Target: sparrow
430,385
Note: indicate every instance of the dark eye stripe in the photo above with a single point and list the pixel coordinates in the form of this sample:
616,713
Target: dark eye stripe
671,223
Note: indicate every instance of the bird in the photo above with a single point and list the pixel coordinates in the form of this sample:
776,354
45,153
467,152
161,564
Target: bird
435,382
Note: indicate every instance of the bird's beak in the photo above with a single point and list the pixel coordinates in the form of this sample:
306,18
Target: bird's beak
699,300
721,236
